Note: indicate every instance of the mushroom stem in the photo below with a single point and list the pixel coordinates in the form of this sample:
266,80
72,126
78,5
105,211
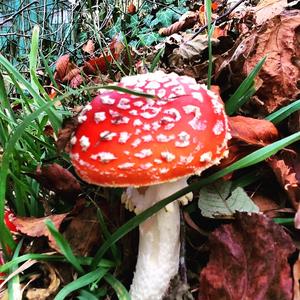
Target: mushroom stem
159,244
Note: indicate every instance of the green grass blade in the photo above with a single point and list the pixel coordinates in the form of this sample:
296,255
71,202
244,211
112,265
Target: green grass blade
210,31
283,112
238,99
14,288
284,221
33,55
157,59
53,117
4,99
249,160
81,282
104,263
119,288
64,246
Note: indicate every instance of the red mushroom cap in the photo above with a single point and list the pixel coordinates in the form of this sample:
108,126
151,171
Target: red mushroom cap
128,140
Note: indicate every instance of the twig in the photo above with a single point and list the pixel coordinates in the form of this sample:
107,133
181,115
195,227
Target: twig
18,12
229,11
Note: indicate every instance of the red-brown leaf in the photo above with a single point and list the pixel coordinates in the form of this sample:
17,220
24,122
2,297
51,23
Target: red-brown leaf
62,67
131,9
248,134
54,177
89,47
248,260
35,227
252,131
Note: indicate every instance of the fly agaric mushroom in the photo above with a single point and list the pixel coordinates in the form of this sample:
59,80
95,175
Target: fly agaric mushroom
124,140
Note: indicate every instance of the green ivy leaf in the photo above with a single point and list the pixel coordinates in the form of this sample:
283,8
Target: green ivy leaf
150,38
217,201
164,17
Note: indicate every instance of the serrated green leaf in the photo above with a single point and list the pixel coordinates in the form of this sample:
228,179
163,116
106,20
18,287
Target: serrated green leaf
216,201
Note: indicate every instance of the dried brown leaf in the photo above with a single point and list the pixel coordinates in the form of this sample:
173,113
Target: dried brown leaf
184,23
267,9
297,218
89,47
277,84
35,227
64,134
277,39
284,168
83,233
248,260
131,9
56,178
50,279
62,66
76,81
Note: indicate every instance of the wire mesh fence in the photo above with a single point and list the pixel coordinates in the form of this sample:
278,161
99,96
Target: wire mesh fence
18,17
64,24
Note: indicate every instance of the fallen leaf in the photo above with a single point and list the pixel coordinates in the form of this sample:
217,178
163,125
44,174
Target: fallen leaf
216,200
277,83
58,179
252,131
248,134
49,278
297,218
284,168
266,205
188,20
62,67
267,9
113,52
280,74
131,9
64,134
89,47
35,227
248,260
190,50
83,232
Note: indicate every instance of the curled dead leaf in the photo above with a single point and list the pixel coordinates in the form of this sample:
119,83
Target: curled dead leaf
131,9
58,179
248,134
188,20
35,227
248,260
64,134
286,167
49,278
